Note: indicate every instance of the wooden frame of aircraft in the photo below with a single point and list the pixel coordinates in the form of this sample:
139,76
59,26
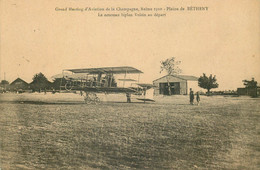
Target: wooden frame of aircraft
102,80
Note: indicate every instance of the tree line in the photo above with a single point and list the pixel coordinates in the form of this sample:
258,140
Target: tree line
39,83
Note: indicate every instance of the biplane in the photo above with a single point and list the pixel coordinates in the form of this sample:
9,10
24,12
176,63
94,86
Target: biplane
90,81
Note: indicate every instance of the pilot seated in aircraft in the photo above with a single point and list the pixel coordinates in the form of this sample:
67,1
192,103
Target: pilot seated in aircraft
111,81
103,82
88,83
114,84
94,84
107,80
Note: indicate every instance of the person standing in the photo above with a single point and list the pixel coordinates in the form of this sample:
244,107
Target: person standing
198,98
128,97
191,97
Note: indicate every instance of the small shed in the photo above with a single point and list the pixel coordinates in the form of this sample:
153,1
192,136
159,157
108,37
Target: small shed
19,84
179,84
249,91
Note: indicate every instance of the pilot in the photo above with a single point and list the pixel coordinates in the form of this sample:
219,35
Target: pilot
91,81
95,81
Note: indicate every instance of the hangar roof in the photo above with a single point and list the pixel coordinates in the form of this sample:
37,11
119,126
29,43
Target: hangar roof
177,78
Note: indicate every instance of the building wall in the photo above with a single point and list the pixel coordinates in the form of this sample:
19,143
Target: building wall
241,91
19,85
181,89
156,90
248,92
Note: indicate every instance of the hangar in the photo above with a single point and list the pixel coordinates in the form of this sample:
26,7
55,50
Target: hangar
179,84
19,84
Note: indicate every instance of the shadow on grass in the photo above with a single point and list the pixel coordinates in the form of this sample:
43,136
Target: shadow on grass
71,103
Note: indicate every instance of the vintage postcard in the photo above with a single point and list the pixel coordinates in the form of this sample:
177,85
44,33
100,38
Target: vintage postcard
129,84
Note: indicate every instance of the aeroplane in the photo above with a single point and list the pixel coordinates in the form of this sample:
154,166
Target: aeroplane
105,80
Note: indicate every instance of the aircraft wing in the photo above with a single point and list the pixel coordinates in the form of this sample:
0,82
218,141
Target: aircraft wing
145,85
106,89
113,70
59,76
69,76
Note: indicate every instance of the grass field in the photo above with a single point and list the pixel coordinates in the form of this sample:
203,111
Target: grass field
59,132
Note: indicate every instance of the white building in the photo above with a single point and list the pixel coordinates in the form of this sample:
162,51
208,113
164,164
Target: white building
179,84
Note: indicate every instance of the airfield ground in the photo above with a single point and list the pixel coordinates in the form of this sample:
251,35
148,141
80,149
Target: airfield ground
61,132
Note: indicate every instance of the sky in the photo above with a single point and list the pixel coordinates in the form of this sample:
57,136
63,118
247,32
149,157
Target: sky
223,41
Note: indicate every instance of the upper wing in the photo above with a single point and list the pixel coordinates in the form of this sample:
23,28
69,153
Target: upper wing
113,70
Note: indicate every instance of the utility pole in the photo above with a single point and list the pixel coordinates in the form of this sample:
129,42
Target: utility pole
4,83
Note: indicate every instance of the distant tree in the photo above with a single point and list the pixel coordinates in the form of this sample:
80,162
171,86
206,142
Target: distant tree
171,66
250,83
40,82
251,86
207,82
4,84
58,82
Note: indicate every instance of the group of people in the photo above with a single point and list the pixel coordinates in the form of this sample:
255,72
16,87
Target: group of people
192,97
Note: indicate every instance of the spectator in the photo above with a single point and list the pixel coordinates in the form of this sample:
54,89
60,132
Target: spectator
191,96
198,98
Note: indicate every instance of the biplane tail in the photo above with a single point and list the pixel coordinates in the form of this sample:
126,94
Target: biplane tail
148,93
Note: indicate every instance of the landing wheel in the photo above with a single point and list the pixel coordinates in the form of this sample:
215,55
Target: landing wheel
68,86
91,98
97,100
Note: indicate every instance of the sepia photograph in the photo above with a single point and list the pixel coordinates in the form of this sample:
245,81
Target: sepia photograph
133,84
